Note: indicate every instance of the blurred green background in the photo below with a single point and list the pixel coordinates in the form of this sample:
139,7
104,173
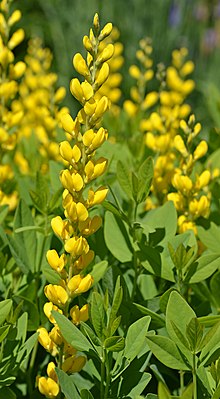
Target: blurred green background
170,23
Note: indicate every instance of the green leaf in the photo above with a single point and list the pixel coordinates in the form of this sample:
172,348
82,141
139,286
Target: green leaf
109,206
139,388
188,392
214,286
180,335
158,320
85,394
4,332
26,239
166,352
136,337
71,333
54,171
19,254
216,394
211,237
203,268
135,186
97,314
67,386
211,350
5,308
194,334
99,270
163,392
115,324
117,238
145,176
163,217
90,334
6,392
209,321
124,178
3,212
114,344
179,313
117,298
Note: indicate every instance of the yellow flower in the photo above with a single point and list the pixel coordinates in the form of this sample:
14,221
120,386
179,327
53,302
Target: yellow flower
78,284
48,387
79,315
56,294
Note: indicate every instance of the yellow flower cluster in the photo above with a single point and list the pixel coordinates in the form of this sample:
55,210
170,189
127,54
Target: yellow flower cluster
192,196
143,74
10,116
40,100
162,126
111,86
78,198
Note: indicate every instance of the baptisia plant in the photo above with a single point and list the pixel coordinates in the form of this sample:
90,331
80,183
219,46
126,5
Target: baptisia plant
84,136
10,116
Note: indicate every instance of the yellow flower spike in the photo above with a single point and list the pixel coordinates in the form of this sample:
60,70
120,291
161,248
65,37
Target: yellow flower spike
48,387
51,371
57,263
68,123
55,336
87,90
80,65
76,246
48,307
204,179
60,94
16,39
69,154
105,31
103,75
79,315
15,17
180,146
56,294
60,227
78,285
96,197
87,44
76,90
200,150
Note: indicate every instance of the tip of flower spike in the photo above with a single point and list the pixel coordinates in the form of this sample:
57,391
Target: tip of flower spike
96,22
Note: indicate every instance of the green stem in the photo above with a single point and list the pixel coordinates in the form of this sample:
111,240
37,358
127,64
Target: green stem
102,376
181,382
194,377
108,377
135,263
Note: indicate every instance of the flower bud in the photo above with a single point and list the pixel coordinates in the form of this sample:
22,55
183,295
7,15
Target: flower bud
67,123
15,17
106,54
16,39
103,75
48,307
105,31
97,197
80,65
200,150
76,90
87,44
79,315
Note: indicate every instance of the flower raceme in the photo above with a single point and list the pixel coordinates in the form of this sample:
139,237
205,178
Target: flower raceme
84,137
10,115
